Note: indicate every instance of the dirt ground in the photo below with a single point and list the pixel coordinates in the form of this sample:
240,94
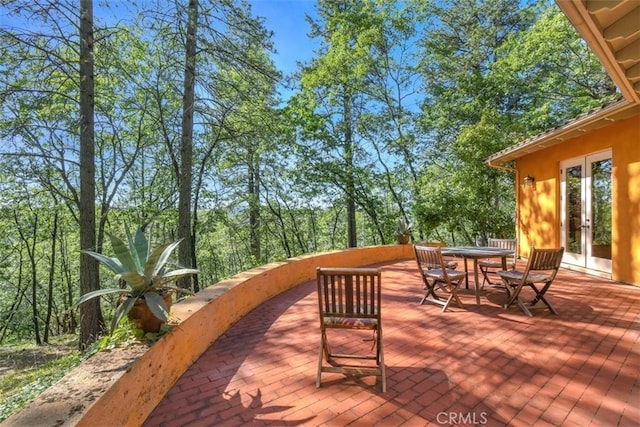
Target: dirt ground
26,358
68,398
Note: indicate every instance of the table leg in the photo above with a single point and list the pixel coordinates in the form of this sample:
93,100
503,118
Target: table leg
466,273
475,276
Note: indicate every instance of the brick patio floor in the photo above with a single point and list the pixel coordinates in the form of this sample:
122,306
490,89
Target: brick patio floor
481,365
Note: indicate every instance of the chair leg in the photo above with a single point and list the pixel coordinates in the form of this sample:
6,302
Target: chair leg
455,292
383,372
513,296
320,356
540,297
485,279
548,304
523,307
325,346
485,276
324,353
379,359
446,304
453,295
431,292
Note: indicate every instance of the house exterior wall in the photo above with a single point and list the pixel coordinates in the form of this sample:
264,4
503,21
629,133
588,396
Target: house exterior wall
539,205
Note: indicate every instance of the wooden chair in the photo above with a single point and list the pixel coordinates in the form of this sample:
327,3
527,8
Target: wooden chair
542,267
451,265
349,298
492,266
434,273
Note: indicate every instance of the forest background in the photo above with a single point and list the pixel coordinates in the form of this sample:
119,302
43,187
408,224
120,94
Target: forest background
184,130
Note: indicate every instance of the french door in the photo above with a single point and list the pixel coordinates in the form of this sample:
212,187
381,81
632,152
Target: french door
586,200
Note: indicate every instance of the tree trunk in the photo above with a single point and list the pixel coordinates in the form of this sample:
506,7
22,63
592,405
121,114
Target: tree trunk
34,281
186,151
52,270
16,301
254,205
352,240
31,253
91,320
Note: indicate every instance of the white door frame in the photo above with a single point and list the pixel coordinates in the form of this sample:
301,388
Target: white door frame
582,222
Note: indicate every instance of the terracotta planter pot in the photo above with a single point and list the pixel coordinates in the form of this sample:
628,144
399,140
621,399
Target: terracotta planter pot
143,318
403,239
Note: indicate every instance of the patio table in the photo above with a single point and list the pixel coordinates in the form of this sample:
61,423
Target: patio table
475,253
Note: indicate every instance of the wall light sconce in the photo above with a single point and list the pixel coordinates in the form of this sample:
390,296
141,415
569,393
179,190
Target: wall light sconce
529,180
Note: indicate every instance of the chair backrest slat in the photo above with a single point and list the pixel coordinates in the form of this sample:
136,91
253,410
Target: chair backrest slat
349,292
511,244
544,260
429,257
502,243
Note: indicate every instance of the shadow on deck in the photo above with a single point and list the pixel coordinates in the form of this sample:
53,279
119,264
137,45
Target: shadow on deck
482,365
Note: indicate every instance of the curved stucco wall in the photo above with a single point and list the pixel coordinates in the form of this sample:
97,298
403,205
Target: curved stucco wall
131,390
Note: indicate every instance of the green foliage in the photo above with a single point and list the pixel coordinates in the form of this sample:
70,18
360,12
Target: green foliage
144,270
34,384
516,73
403,228
20,386
396,114
123,336
549,73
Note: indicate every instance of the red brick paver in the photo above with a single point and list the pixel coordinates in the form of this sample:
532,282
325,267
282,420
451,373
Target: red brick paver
481,365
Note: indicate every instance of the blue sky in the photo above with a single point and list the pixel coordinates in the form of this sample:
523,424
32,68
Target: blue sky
286,18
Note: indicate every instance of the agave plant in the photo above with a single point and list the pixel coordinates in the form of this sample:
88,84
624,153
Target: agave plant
144,270
404,228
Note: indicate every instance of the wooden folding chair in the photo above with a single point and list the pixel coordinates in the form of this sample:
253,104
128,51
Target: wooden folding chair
434,273
349,298
542,267
451,265
491,265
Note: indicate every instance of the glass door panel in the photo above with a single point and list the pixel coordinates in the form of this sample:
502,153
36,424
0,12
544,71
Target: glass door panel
585,221
599,211
573,210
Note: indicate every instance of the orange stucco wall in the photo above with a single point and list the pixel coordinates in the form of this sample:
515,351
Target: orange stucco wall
127,397
539,206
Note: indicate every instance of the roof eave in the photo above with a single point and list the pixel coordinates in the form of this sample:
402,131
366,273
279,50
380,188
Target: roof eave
577,13
588,122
